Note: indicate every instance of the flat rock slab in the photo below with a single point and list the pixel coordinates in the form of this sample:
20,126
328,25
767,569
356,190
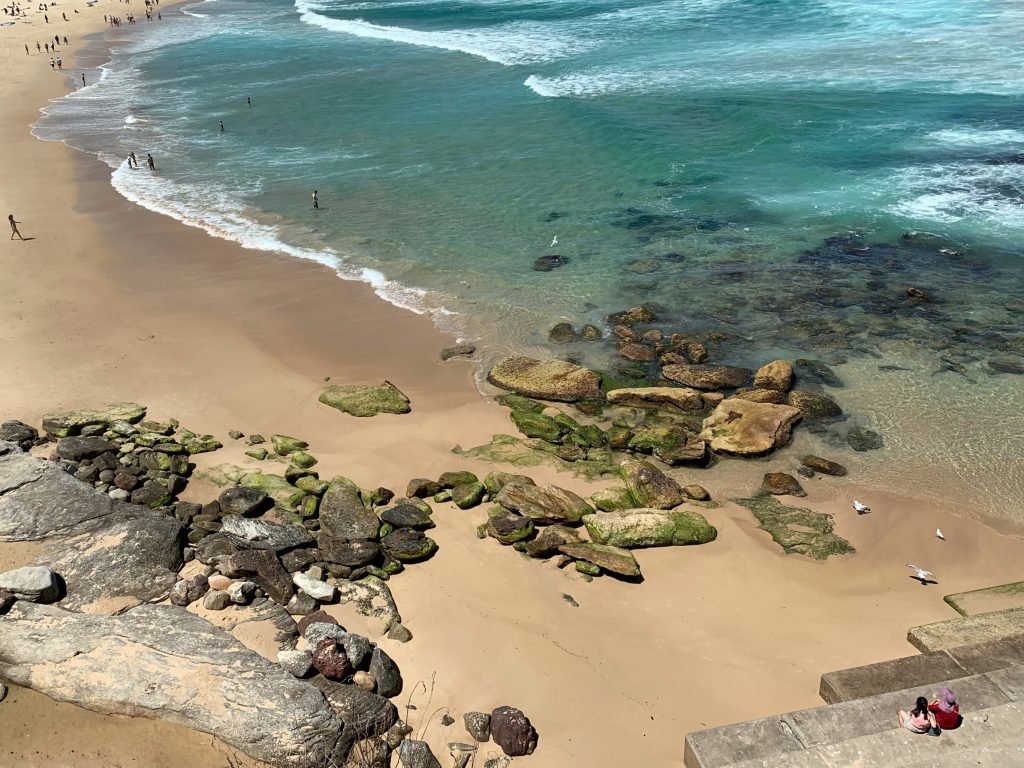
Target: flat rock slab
966,630
682,399
633,528
987,600
251,533
162,662
546,379
366,400
746,428
66,423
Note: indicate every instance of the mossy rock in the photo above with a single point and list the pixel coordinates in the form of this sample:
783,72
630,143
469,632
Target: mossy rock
67,423
408,546
312,484
506,449
634,528
608,558
302,460
257,453
520,403
308,506
796,529
537,425
588,568
495,481
468,495
612,499
452,479
444,496
204,444
413,501
862,439
275,486
284,445
407,516
672,444
365,400
508,528
618,438
293,473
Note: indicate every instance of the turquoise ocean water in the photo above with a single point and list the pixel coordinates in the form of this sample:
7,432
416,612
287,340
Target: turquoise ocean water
748,167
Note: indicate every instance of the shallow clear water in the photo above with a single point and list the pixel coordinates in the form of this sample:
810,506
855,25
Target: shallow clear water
695,155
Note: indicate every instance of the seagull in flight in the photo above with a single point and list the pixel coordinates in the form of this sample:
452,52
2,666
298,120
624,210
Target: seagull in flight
862,509
939,534
921,574
554,241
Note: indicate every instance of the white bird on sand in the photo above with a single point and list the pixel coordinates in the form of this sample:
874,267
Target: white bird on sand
939,534
921,574
554,241
861,508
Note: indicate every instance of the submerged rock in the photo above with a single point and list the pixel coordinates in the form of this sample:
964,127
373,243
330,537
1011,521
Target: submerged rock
366,400
546,379
631,316
862,439
708,377
749,429
632,528
459,350
548,263
816,371
814,406
825,466
562,333
782,484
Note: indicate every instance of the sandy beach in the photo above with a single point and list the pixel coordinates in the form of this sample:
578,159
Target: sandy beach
108,302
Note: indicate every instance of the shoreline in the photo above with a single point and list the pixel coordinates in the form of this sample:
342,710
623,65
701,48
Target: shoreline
115,302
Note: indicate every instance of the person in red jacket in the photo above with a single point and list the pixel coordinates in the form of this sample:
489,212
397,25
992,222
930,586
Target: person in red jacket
946,710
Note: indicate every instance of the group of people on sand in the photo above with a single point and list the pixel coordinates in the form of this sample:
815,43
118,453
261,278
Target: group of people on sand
943,714
133,161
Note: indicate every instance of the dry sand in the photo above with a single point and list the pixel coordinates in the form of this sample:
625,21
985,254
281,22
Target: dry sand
110,302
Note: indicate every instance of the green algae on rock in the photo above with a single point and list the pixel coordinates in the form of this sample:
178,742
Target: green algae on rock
797,529
366,400
607,558
506,449
283,444
67,423
633,528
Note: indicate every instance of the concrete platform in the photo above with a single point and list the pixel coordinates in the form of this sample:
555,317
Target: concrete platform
921,669
967,630
987,600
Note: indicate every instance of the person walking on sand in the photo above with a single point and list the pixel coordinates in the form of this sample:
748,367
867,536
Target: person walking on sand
150,162
60,64
14,227
316,201
53,64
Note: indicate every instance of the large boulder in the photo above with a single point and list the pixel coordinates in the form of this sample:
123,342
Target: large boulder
682,399
633,528
73,422
546,505
546,379
648,486
35,583
241,500
366,400
248,533
79,448
163,662
513,732
776,375
749,429
343,515
707,377
814,406
672,444
608,558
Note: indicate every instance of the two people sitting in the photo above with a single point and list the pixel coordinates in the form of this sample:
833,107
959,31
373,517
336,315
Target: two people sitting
941,714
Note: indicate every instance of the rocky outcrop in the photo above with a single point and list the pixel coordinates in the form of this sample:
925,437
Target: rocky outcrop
633,528
162,662
366,400
546,505
73,422
546,379
707,377
648,486
672,444
682,399
343,515
749,429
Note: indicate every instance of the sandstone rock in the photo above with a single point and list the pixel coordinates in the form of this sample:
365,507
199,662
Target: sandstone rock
296,663
590,333
407,516
495,481
562,333
459,350
343,515
626,333
637,353
681,399
19,432
776,375
262,567
707,377
243,501
612,499
365,400
216,600
152,660
509,527
416,754
631,316
814,406
315,588
649,486
187,591
478,725
608,558
386,673
782,484
32,582
825,466
546,505
353,554
247,533
72,422
546,379
696,492
749,429
634,528
761,396
513,732
550,539
330,660
672,444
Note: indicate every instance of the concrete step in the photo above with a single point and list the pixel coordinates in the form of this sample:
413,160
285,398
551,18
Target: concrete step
921,669
987,600
808,737
967,630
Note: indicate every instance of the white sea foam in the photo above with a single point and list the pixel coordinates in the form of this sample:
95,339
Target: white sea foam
522,42
977,137
989,195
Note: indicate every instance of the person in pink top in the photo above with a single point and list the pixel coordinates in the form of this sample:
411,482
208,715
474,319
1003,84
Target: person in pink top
919,719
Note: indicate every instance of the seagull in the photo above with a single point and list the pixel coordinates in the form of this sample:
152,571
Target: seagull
554,241
921,574
939,534
861,508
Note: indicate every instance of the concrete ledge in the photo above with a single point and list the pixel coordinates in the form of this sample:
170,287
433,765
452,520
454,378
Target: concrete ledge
967,630
886,676
987,657
987,600
729,743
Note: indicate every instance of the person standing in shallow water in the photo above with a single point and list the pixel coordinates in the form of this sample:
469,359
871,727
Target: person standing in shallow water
150,162
316,201
222,126
248,101
14,227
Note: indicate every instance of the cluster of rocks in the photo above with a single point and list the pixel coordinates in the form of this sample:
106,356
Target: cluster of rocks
120,454
545,522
